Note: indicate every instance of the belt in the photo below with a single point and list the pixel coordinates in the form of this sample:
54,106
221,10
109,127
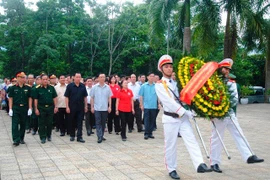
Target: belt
21,105
174,115
45,105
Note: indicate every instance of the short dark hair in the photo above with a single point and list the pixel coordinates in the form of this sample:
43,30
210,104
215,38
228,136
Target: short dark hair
149,73
62,75
77,73
87,79
42,75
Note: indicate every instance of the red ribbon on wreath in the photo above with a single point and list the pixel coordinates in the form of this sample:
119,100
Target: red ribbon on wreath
197,81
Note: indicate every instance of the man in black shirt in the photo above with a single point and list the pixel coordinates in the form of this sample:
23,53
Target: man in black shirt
76,106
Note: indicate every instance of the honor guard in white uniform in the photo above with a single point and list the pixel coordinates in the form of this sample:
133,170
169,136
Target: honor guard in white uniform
176,120
230,122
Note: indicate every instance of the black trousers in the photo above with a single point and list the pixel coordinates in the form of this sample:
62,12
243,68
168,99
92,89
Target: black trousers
113,118
89,119
62,119
75,121
125,118
138,117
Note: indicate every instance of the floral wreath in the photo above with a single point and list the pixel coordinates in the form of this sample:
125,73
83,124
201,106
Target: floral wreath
212,100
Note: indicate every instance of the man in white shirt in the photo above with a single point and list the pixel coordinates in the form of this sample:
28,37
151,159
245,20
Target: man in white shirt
176,119
135,88
89,116
62,115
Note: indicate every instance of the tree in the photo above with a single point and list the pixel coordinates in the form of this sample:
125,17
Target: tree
161,13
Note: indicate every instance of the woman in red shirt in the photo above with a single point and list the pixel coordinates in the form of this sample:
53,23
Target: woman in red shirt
124,107
113,118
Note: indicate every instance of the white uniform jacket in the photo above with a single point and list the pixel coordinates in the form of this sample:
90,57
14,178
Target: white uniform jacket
170,104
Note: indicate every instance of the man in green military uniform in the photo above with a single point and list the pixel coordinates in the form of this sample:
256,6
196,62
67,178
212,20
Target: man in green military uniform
34,117
19,103
45,103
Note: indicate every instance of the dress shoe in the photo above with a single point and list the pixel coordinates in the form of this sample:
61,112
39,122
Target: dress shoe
16,144
124,139
202,168
152,137
215,168
92,132
174,175
110,132
81,140
129,131
72,138
145,137
62,134
154,129
103,139
117,133
28,131
88,133
57,130
179,135
99,140
22,142
49,138
43,141
34,132
254,159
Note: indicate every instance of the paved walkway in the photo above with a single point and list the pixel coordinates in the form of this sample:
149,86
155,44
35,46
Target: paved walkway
134,159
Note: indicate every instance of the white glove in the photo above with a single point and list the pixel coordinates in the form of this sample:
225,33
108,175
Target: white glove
10,113
189,114
29,112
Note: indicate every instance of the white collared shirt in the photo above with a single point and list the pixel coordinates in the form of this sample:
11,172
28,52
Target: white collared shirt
60,90
166,97
135,88
88,89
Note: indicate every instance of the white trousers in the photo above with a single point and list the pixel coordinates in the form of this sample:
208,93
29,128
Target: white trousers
171,135
216,146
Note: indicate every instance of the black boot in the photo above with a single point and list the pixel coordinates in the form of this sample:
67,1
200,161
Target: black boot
215,168
202,168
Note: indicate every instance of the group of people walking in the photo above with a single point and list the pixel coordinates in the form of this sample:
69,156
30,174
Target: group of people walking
64,102
117,102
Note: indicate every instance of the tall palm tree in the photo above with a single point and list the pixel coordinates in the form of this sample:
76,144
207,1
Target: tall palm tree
256,34
161,12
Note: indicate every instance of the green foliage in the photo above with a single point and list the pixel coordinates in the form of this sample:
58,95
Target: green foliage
245,91
61,38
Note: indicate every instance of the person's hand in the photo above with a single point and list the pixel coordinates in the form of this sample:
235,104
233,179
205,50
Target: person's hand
142,108
117,112
85,109
109,109
10,113
68,110
29,112
189,114
37,112
159,106
133,112
93,110
55,110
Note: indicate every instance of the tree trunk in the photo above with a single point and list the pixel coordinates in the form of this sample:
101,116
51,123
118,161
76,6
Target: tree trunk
267,68
111,64
187,31
168,36
227,37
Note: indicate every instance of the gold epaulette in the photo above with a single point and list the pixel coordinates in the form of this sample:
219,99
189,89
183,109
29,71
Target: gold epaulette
27,85
37,86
